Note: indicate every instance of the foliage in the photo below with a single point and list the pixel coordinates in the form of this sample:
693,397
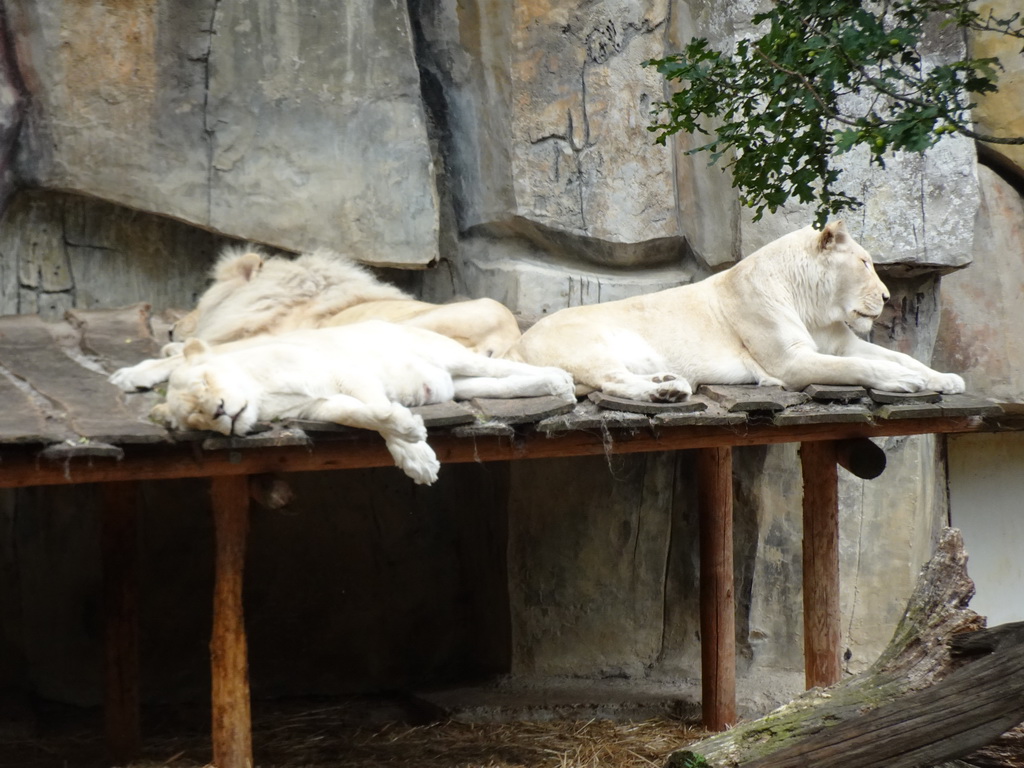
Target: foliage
823,77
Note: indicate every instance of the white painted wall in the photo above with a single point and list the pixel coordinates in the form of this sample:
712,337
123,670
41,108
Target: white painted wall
986,500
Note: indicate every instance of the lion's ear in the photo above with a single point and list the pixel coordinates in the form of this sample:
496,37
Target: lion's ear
194,348
234,265
833,233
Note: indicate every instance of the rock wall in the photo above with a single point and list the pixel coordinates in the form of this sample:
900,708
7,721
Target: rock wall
504,144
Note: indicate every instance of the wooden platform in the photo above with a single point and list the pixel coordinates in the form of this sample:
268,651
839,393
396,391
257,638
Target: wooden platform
65,424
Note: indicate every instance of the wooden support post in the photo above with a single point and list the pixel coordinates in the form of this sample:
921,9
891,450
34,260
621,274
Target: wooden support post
232,721
717,598
822,662
120,554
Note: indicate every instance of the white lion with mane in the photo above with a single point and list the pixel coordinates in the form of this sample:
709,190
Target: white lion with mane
789,314
362,375
252,294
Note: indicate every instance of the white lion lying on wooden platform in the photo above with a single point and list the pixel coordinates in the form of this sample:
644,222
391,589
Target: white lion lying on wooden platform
788,314
362,375
253,295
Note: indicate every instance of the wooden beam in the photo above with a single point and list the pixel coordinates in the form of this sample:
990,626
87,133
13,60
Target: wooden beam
120,555
822,662
717,598
232,726
20,467
861,457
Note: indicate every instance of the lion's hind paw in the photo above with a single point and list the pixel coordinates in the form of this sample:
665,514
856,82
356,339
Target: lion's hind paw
416,459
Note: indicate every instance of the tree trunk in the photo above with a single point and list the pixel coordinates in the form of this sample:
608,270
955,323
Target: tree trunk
919,704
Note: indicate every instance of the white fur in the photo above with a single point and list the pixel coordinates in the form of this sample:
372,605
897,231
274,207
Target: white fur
252,294
363,375
788,314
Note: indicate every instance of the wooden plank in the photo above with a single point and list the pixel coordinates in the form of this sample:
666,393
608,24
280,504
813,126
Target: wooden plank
714,415
818,413
120,556
521,410
717,598
833,393
586,415
232,723
446,414
20,468
24,420
904,398
120,337
689,405
81,449
860,457
747,397
94,407
967,405
822,662
921,410
276,437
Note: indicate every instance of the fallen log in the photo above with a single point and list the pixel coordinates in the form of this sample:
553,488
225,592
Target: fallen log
920,704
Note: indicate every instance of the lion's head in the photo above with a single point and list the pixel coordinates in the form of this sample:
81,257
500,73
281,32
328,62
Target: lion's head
207,392
849,290
252,294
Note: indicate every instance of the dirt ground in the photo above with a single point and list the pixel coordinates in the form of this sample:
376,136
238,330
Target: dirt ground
356,733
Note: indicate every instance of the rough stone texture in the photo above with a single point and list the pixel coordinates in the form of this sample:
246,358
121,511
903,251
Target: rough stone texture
1001,114
983,307
547,107
11,112
293,125
87,254
518,275
611,522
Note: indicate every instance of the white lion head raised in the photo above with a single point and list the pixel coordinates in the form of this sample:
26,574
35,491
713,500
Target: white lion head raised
252,294
831,278
859,294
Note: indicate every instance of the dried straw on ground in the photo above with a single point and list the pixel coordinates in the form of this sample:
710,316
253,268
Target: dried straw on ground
341,737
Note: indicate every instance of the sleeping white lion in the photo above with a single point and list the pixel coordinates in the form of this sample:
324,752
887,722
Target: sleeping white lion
363,375
252,294
789,314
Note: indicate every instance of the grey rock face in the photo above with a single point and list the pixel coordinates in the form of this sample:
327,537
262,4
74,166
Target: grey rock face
547,109
297,125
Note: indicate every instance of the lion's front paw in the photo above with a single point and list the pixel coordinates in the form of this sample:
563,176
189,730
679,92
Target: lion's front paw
416,459
946,383
670,389
138,378
893,377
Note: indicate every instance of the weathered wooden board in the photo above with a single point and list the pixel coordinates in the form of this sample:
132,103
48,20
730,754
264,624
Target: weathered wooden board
904,398
832,393
521,410
94,407
908,411
588,416
820,413
714,416
966,405
603,400
276,437
747,397
445,414
81,449
119,337
24,421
